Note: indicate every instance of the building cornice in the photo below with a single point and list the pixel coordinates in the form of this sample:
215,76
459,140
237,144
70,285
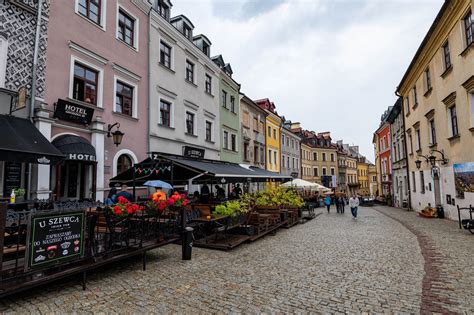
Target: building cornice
94,56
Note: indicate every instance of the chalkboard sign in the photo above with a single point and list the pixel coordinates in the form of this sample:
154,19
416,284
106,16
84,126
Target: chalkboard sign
12,178
56,238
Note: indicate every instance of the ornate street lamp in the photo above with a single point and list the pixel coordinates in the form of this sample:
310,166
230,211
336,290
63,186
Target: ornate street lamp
418,164
443,160
117,135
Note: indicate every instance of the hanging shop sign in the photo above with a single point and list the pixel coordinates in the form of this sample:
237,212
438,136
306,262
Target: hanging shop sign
194,153
56,238
72,112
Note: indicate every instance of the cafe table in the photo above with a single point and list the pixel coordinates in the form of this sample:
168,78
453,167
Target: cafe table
205,223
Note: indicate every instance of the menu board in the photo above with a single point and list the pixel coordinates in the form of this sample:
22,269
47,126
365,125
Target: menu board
12,178
56,238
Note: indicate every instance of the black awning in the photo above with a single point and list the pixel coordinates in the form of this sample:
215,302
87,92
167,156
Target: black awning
75,148
199,170
20,141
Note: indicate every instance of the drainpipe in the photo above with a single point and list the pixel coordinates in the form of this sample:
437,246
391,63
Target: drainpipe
33,81
148,143
406,150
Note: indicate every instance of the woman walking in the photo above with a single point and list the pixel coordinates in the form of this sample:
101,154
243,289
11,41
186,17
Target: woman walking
327,202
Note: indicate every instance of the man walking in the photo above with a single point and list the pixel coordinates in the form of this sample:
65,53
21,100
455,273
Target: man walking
327,202
354,204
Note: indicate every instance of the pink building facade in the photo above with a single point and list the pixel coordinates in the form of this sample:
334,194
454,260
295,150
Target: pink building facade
96,76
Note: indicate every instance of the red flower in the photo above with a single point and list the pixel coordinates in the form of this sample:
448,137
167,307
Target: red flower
185,202
122,200
141,208
130,210
171,201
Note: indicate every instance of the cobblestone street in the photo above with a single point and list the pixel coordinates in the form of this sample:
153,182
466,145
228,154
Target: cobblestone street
388,261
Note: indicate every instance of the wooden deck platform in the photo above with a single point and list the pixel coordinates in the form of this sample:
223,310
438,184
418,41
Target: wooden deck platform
229,242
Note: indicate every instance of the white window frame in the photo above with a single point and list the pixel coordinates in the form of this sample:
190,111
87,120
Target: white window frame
212,130
3,60
167,100
100,83
127,152
188,110
136,27
171,46
135,95
103,14
193,79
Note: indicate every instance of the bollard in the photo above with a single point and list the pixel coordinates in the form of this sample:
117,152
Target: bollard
187,243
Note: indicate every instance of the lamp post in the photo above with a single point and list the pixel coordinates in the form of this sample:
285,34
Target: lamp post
117,135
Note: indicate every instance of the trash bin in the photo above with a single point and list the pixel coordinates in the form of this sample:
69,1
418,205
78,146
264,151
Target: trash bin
187,244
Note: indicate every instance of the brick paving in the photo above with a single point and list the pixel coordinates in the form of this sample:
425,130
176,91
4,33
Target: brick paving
332,264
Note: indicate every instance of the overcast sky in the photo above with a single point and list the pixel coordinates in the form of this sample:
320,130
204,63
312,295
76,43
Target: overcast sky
332,65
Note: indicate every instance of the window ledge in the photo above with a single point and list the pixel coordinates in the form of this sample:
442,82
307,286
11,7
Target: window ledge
129,46
447,71
428,92
191,83
466,50
210,141
101,27
190,134
209,94
166,68
125,116
452,138
167,127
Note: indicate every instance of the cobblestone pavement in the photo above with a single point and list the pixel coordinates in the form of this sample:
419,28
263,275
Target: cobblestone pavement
332,264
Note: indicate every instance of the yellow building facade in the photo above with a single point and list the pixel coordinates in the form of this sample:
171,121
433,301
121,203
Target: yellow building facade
363,177
438,105
273,124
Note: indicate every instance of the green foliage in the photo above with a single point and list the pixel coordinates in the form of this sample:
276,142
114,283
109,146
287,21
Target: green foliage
279,197
19,192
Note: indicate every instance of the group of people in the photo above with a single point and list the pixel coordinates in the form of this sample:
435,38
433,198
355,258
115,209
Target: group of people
340,203
205,195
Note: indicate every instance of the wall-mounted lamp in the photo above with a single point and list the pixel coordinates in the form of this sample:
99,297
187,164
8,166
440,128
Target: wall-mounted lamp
117,135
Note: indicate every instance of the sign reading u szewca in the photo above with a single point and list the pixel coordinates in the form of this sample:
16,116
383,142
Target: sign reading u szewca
56,238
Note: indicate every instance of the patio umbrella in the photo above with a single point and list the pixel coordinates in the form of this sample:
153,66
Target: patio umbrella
158,183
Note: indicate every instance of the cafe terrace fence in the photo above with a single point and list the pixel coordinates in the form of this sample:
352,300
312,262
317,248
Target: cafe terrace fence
55,240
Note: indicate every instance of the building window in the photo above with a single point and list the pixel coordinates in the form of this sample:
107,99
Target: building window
85,84
283,161
162,10
454,121
189,71
315,172
269,131
187,32
282,140
255,124
274,134
428,79
224,99
332,157
262,127
232,103
410,140
432,131
269,156
91,9
293,162
415,96
246,151
124,162
315,156
124,99
189,123
407,105
324,157
447,56
422,182
332,171
226,140
262,155
275,157
126,28
414,181
469,28
165,55
288,161
208,84
233,142
324,171
165,113
208,131
255,154
418,139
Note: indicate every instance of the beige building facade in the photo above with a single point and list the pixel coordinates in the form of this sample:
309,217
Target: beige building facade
438,104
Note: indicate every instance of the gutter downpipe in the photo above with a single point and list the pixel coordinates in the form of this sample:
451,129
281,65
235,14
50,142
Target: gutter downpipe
148,143
33,82
406,151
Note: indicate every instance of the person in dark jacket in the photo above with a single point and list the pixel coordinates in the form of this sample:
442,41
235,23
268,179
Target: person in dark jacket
125,194
205,194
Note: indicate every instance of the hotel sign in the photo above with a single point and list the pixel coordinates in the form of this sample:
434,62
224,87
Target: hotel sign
72,112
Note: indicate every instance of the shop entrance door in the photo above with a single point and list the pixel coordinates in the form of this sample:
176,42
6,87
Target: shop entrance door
75,181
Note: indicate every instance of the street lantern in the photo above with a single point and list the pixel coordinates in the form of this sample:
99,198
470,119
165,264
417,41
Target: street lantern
418,164
117,135
432,160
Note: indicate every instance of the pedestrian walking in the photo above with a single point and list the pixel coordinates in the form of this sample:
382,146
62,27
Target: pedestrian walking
342,203
327,202
354,204
338,206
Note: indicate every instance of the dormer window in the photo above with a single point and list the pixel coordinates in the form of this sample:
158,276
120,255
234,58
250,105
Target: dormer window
187,32
206,49
163,10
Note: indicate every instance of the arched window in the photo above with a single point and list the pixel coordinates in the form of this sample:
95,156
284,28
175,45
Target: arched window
124,162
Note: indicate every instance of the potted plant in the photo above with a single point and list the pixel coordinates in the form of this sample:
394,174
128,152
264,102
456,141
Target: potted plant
125,209
19,194
176,201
